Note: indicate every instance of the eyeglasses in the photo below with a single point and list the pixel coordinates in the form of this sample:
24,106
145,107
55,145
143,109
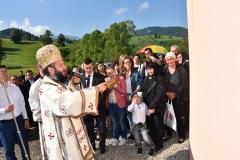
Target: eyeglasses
127,62
109,73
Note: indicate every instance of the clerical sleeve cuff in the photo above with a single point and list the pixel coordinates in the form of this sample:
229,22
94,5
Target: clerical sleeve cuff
2,111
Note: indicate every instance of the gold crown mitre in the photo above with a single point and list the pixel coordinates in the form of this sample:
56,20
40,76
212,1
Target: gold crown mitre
47,55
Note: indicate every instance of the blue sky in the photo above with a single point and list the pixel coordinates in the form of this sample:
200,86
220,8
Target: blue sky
77,17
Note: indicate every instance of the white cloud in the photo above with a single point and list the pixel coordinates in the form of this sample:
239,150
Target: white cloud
1,22
39,30
120,11
3,25
26,26
143,6
14,24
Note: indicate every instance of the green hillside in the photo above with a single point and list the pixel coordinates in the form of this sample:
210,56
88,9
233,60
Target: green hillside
151,38
25,35
173,31
166,41
20,56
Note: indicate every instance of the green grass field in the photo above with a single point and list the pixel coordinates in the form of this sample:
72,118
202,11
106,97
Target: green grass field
151,38
138,42
20,56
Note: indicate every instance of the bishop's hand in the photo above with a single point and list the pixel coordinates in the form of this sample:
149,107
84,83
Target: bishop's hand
102,87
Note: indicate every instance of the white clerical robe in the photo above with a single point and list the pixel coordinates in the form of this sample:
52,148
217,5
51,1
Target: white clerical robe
64,132
34,101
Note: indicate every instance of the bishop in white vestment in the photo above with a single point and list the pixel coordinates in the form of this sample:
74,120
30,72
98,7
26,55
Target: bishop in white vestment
61,109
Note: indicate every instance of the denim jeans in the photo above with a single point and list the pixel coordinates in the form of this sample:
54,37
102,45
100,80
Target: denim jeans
9,135
139,129
118,116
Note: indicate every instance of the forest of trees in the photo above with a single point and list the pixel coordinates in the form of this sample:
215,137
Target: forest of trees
102,46
46,38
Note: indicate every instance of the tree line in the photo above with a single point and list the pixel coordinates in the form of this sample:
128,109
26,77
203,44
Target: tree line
17,35
103,46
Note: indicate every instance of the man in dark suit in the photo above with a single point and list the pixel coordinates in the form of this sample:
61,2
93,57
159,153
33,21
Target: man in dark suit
93,79
21,77
26,87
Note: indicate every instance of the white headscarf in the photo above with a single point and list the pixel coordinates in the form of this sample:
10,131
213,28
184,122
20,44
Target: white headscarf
170,54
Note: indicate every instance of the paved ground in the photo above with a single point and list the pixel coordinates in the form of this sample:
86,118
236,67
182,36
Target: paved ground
171,151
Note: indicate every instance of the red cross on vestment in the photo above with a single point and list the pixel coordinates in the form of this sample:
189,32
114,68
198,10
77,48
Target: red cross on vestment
46,113
51,136
60,90
69,132
62,109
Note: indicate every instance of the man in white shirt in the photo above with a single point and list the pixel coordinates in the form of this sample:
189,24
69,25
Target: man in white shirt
11,100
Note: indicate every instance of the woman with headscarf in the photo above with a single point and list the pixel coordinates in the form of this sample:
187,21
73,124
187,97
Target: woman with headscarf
175,78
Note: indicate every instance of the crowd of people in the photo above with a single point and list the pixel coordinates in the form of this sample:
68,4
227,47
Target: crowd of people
130,97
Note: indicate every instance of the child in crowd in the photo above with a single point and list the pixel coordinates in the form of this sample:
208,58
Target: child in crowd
139,111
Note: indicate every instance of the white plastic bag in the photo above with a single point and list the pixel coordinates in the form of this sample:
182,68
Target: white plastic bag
169,116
